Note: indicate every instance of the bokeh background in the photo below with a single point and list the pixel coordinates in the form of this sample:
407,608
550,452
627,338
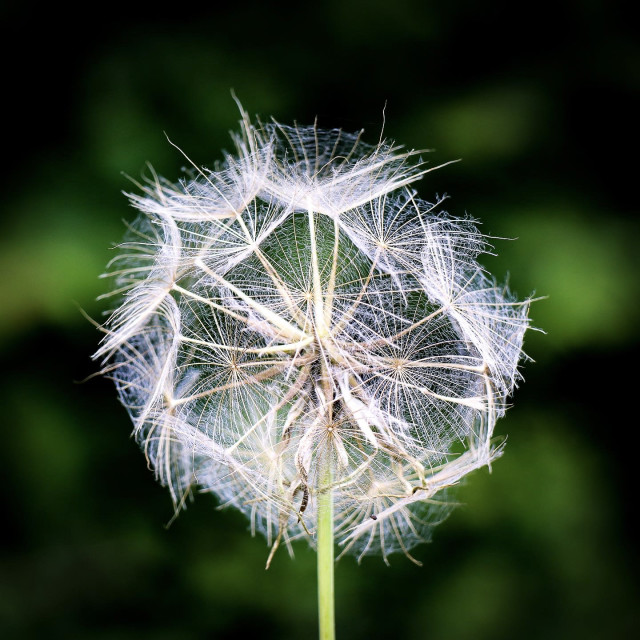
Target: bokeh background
540,102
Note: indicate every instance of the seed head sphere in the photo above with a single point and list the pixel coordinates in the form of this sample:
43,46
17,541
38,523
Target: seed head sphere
297,322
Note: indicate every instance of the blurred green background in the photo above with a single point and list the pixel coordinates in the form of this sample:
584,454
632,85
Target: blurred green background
540,102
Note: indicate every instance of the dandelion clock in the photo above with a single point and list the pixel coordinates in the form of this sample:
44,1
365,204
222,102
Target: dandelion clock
302,335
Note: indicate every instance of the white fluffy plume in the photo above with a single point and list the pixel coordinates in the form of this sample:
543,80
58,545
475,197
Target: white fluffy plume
300,303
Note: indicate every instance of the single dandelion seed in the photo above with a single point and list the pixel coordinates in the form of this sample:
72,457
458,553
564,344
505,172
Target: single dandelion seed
300,334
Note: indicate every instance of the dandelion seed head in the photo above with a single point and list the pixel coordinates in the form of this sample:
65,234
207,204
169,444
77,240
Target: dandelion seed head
301,303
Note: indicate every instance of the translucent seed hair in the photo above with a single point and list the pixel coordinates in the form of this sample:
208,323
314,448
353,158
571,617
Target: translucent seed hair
297,323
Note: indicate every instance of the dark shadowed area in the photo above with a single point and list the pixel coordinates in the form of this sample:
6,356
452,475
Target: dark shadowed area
539,102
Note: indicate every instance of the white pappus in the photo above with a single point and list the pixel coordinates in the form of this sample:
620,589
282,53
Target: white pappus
300,308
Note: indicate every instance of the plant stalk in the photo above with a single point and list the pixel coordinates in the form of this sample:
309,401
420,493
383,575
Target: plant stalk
326,616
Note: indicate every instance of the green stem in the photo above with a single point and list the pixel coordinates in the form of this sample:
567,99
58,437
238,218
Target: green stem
326,616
